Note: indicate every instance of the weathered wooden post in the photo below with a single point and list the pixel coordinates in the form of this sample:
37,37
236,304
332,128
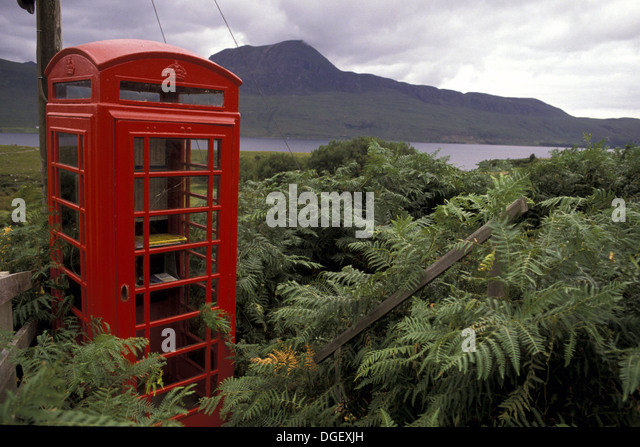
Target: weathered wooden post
48,43
495,288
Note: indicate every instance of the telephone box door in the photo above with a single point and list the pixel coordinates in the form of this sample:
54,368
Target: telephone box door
68,143
175,243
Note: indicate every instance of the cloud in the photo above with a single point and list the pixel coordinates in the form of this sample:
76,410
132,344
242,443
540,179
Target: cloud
17,33
579,55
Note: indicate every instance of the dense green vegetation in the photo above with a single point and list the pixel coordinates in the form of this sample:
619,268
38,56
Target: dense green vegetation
19,177
257,165
560,346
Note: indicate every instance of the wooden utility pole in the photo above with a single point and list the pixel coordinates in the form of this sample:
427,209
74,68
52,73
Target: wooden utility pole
48,43
49,35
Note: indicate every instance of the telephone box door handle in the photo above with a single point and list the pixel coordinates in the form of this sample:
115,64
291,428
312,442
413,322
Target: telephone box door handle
124,292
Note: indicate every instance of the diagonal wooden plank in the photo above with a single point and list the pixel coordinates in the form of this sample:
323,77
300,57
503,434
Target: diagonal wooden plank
432,272
14,284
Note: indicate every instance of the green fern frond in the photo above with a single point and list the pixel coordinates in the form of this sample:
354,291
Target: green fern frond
630,372
386,419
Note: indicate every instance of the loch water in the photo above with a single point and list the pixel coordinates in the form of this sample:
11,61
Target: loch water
465,156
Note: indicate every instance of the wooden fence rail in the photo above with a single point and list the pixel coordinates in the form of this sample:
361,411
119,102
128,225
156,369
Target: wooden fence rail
432,272
10,286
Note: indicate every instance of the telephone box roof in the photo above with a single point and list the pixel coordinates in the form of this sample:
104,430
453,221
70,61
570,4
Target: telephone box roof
106,53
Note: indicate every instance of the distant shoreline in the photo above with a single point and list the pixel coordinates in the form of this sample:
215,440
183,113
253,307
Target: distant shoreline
466,156
27,130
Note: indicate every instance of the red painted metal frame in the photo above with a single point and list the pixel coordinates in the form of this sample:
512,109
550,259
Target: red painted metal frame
106,126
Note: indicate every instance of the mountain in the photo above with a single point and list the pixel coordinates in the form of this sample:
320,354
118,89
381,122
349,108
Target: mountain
293,67
290,89
18,90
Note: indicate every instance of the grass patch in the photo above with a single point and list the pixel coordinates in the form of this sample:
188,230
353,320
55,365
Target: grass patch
302,157
20,172
8,129
19,178
257,165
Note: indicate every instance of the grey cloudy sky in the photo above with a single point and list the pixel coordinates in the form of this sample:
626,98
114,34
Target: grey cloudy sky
580,55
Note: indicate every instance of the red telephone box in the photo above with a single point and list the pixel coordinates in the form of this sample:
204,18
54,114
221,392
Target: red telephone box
143,144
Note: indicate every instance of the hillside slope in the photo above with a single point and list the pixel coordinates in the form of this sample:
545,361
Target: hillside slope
18,94
289,87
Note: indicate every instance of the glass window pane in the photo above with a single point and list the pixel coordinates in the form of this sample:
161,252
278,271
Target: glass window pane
140,309
216,153
69,222
73,89
171,266
71,258
172,229
165,154
68,184
163,268
184,366
183,334
197,157
177,192
139,274
197,265
138,154
214,258
139,232
138,191
147,92
201,97
194,227
176,300
68,149
215,189
75,290
214,379
214,360
177,154
214,291
140,91
215,225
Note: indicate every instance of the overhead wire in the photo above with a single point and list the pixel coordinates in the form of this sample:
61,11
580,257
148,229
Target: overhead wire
262,95
158,19
165,41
